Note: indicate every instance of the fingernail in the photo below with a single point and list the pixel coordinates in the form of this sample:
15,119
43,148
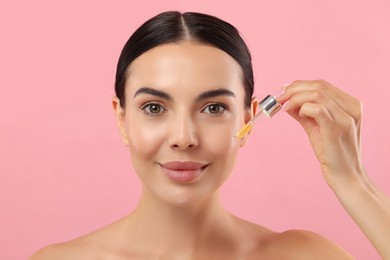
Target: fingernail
285,86
285,105
279,94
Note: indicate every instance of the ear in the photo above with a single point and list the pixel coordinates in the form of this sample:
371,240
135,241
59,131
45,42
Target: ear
249,114
120,119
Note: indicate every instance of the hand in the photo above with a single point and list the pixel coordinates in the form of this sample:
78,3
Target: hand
332,120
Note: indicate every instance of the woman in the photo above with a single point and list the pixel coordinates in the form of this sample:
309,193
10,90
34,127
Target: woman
184,87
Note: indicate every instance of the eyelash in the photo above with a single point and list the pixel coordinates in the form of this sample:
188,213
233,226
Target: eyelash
223,108
146,109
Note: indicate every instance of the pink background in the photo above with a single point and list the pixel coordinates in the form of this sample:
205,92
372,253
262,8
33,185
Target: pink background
63,169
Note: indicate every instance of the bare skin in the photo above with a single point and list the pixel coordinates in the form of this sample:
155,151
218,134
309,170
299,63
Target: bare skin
183,219
332,120
233,239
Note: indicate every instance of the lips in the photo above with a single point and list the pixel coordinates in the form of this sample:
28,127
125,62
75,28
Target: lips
183,171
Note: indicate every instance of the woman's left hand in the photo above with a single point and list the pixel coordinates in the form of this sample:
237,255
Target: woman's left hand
332,120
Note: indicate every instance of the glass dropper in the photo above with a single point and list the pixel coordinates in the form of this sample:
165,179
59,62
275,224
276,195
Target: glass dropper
269,106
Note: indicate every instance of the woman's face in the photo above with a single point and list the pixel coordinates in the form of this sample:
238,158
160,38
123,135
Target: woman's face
184,104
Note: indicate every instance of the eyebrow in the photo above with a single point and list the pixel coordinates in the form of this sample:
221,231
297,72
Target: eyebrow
153,92
202,96
215,93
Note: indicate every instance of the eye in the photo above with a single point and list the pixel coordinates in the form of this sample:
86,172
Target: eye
215,109
153,109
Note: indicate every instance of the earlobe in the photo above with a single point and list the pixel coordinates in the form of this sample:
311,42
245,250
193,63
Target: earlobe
120,119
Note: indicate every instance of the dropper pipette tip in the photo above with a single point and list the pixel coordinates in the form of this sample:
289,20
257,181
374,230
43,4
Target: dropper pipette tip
248,126
268,106
243,131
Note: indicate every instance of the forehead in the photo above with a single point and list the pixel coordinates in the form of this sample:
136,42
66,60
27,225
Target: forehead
185,65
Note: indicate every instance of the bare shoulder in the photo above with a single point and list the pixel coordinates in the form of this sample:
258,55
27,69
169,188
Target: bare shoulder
264,243
301,244
93,245
79,248
55,251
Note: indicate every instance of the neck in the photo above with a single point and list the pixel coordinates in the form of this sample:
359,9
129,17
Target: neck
179,226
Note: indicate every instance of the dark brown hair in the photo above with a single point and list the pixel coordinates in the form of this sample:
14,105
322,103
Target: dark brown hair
175,27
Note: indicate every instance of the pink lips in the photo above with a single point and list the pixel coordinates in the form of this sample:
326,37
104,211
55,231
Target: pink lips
180,171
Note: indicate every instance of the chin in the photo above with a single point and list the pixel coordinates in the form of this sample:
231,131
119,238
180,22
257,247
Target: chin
186,197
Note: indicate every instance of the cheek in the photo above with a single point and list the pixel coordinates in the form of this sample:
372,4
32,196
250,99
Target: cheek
222,149
218,136
220,141
144,140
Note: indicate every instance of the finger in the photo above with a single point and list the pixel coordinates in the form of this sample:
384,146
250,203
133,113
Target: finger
319,114
338,115
348,103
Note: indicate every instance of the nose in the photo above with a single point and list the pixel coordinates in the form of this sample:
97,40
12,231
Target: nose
183,133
